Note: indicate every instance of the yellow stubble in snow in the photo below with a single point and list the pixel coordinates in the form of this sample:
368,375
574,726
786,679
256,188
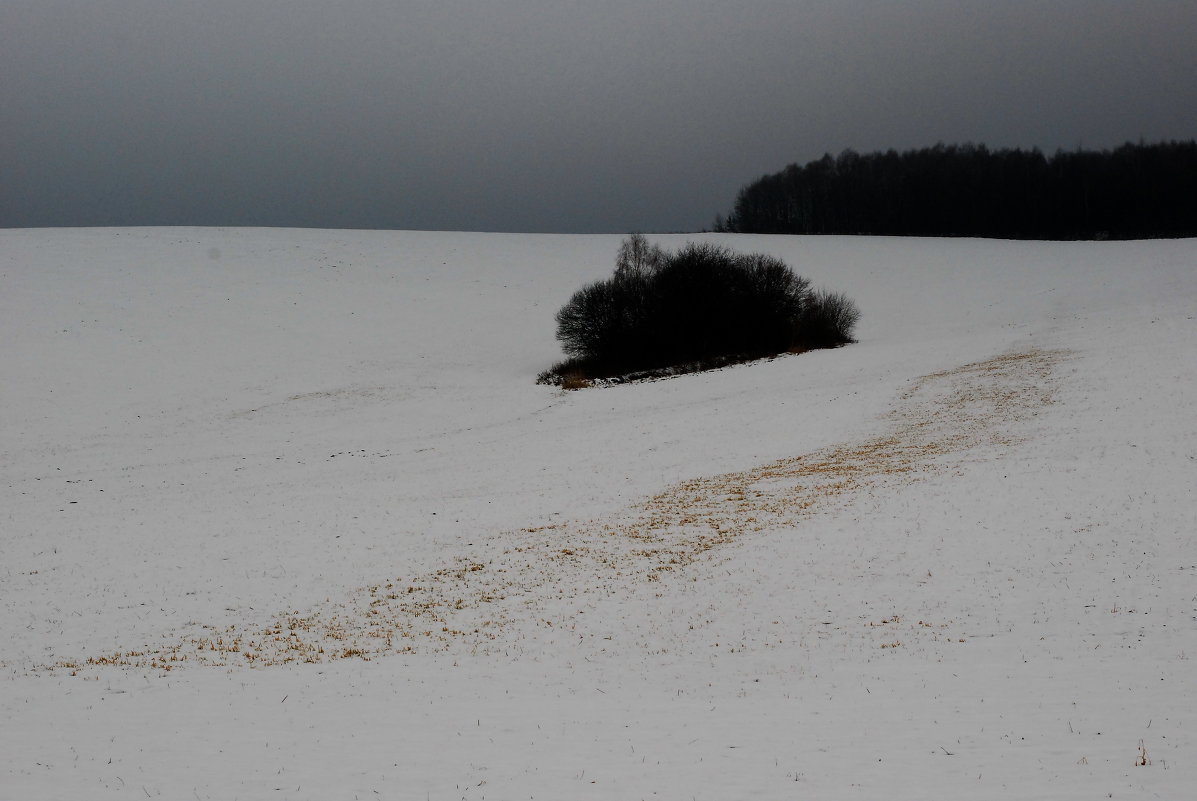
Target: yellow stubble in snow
939,420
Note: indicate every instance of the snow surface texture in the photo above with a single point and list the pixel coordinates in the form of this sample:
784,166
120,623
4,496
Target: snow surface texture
285,516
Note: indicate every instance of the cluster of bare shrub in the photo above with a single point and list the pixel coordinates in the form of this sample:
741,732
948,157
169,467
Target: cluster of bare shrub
703,306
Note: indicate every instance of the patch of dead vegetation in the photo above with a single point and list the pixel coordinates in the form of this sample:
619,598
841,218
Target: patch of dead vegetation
942,418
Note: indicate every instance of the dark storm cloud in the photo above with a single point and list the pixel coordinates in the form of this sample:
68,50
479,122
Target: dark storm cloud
540,115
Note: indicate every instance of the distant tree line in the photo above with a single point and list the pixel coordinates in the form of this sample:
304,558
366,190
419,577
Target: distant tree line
1136,191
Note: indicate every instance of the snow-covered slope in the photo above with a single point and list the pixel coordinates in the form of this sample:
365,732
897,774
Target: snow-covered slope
285,516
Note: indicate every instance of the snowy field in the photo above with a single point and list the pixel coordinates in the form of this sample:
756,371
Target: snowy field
284,515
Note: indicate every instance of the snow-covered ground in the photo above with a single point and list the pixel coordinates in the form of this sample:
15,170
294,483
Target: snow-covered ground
285,516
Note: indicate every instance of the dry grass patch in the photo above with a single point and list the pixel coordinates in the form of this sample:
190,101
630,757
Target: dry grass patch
473,600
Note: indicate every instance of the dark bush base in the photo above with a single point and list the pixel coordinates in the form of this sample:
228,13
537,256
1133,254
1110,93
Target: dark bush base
580,373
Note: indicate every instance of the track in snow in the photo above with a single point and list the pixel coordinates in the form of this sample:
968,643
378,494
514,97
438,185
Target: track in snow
476,600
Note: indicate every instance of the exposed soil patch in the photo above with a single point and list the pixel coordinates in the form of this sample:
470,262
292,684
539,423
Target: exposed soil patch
942,420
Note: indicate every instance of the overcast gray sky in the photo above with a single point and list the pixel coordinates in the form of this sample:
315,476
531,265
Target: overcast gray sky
541,115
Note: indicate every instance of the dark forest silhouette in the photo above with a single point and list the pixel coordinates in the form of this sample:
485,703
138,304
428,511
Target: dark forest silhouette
1136,191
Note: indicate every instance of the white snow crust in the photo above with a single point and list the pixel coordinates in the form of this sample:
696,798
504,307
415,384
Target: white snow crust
284,515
